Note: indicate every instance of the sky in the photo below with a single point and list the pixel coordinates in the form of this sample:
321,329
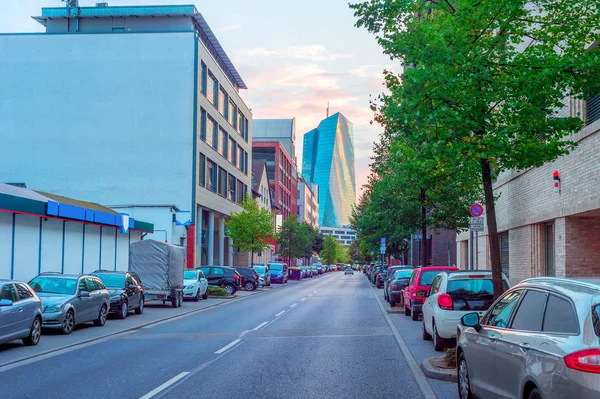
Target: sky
295,57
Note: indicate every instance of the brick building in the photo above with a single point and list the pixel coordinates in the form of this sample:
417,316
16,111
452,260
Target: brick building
441,250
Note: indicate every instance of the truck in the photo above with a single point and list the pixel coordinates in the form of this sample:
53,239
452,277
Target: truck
160,267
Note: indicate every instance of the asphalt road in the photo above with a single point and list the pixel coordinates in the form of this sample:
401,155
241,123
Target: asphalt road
324,337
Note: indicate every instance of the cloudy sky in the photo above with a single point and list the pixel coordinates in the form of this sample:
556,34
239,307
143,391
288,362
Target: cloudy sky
294,56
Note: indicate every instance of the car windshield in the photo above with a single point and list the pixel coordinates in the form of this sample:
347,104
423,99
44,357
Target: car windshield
276,267
428,276
259,269
54,285
190,275
402,274
472,294
112,280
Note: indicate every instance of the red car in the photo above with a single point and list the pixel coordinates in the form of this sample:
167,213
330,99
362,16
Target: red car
418,288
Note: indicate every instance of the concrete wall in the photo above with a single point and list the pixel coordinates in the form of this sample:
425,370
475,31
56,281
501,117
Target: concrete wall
108,116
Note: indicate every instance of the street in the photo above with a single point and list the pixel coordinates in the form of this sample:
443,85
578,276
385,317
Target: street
313,339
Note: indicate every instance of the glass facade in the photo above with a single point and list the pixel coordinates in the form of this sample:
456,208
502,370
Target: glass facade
328,161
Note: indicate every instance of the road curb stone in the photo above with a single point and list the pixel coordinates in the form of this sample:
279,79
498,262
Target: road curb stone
439,374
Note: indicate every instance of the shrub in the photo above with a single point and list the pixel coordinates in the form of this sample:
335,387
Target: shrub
217,291
450,356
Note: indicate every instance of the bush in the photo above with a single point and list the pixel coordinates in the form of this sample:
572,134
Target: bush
217,291
450,356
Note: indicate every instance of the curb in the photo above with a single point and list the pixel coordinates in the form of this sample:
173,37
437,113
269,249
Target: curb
438,374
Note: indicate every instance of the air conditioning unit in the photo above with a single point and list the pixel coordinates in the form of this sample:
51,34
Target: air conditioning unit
101,4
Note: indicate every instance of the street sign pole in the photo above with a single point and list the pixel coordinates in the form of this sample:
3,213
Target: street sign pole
411,250
477,250
470,261
475,225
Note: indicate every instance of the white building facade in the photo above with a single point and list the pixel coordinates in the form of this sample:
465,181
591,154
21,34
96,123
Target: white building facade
343,235
308,202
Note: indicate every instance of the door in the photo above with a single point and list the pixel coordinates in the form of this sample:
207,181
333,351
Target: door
97,297
430,303
82,304
480,352
549,249
409,288
216,275
27,307
202,281
9,317
515,345
133,294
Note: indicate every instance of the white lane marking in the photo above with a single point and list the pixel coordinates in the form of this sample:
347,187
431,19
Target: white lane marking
231,344
164,386
294,305
309,294
261,325
243,333
280,313
303,299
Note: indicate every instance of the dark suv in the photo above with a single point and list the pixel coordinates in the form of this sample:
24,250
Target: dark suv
126,292
249,278
279,272
225,277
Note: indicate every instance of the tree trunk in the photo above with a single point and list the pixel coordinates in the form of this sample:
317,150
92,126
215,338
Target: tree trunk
252,258
494,245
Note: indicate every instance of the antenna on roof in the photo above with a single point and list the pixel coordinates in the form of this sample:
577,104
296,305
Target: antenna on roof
328,109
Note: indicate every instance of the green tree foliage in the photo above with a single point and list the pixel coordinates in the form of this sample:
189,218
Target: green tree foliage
252,228
296,240
329,253
343,254
483,80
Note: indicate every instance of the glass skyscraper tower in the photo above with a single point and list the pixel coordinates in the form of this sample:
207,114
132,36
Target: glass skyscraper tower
328,161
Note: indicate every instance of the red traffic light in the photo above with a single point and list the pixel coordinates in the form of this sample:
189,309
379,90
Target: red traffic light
556,174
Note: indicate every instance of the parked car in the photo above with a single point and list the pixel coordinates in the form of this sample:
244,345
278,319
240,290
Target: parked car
540,339
224,277
20,313
395,289
388,278
318,267
451,296
249,278
279,272
376,271
418,287
195,285
307,271
314,270
264,273
348,271
380,277
125,290
70,299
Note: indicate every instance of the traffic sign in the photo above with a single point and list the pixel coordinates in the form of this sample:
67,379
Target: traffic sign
476,224
476,210
382,245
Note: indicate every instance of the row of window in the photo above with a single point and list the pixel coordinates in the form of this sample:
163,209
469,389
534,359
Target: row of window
224,144
218,97
217,180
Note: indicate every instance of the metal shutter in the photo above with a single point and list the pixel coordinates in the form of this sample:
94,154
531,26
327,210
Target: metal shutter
593,109
503,239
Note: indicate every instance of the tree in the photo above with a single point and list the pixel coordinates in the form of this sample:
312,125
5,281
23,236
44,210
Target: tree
294,239
483,80
343,254
330,250
252,228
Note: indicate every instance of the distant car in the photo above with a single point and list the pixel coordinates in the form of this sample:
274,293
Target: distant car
376,271
395,288
418,288
348,271
318,267
125,290
307,271
249,278
263,272
388,278
314,270
20,313
279,272
452,295
224,277
195,285
540,339
380,278
70,299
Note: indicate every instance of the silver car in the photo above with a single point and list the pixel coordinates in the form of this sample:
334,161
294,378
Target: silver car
20,313
68,300
540,339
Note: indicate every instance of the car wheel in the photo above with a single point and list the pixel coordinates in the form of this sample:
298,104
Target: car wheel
406,310
34,334
198,295
535,394
414,314
439,343
205,295
101,320
124,310
230,289
249,286
464,384
174,301
180,300
68,322
140,308
424,333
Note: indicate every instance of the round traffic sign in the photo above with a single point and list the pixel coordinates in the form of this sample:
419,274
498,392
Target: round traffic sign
476,210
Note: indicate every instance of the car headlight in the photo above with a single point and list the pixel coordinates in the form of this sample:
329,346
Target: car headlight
190,287
52,309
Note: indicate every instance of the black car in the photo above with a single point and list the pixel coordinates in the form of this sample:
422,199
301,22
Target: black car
380,277
399,281
224,277
387,279
126,292
249,278
279,272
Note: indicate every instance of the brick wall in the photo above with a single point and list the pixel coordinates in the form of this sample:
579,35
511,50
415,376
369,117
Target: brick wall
583,247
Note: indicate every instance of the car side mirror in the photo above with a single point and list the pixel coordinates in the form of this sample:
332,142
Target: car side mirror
5,302
132,286
84,294
471,320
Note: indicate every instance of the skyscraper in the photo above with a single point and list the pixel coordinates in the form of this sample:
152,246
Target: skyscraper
328,161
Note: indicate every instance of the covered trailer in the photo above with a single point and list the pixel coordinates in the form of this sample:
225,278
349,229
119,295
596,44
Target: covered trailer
160,267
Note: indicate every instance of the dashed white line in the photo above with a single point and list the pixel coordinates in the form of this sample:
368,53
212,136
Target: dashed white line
261,325
164,386
243,333
303,299
309,294
294,305
231,344
280,313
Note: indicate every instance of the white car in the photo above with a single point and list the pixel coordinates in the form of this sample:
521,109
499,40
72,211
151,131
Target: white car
348,270
195,285
451,296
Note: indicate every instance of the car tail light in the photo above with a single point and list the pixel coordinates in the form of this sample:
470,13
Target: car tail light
160,296
235,276
380,275
394,286
587,360
445,302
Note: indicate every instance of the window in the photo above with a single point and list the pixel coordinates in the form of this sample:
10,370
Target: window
209,135
428,276
203,77
23,291
212,88
435,285
8,293
217,271
222,102
245,162
560,317
118,30
128,281
211,175
472,294
92,284
202,170
530,313
500,313
82,286
240,119
246,129
240,158
222,141
234,156
231,151
232,187
200,275
222,182
240,192
232,113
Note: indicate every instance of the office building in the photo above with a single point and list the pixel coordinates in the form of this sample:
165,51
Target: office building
308,202
277,130
344,235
